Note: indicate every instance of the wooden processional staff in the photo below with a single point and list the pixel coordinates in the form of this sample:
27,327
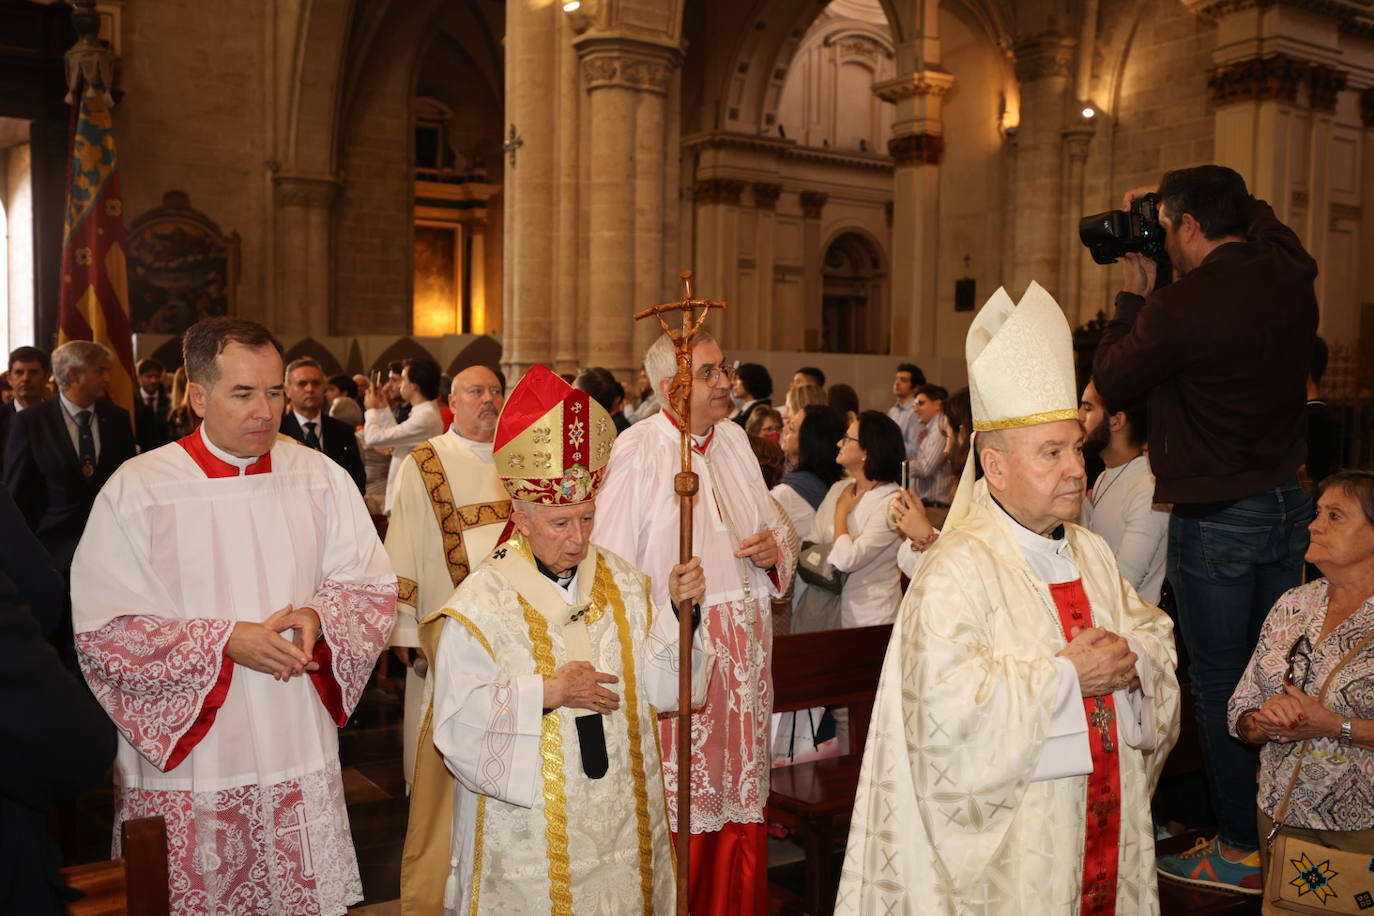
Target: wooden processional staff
685,486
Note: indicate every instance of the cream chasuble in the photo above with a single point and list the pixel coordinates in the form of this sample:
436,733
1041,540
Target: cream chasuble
532,833
958,811
449,508
637,518
184,542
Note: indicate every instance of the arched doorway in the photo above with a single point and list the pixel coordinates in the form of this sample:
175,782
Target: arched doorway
853,297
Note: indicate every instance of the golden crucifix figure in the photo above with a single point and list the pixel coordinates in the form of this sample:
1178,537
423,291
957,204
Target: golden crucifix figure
685,487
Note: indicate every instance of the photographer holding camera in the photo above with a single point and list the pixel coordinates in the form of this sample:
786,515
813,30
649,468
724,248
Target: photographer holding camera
1221,355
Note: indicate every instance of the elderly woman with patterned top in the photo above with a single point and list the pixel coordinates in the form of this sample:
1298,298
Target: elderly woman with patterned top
1308,694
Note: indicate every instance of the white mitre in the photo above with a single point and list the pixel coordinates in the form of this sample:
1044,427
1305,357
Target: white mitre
1020,371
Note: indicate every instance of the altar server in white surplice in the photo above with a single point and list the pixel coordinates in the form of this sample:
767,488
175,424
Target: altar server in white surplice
740,537
552,662
230,598
448,512
1028,696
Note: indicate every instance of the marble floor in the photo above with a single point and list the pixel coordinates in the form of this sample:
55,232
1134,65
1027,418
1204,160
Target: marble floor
370,751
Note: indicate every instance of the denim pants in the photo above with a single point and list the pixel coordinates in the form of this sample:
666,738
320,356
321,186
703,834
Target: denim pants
1227,569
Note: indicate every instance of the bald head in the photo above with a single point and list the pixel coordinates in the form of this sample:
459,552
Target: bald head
1036,472
476,402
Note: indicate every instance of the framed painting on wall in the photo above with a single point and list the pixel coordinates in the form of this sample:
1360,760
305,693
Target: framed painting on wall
181,267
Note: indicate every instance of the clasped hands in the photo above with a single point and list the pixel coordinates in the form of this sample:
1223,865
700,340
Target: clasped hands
261,647
1103,659
577,685
1292,716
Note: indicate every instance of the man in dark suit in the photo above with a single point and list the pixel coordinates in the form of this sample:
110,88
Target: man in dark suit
305,420
752,388
59,742
28,377
151,404
61,452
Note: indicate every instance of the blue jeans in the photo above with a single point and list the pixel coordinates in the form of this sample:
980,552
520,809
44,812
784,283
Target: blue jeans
1227,569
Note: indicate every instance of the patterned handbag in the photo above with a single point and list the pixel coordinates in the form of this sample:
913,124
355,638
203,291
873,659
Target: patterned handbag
1306,876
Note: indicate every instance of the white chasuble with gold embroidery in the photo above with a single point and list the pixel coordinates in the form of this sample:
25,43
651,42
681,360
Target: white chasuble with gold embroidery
532,832
956,812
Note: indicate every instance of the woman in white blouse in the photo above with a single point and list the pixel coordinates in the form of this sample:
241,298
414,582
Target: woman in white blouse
853,520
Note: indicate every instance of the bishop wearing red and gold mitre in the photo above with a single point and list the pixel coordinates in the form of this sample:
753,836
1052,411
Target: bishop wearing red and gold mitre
552,662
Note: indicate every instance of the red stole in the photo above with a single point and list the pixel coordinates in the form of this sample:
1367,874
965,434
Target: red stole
1102,839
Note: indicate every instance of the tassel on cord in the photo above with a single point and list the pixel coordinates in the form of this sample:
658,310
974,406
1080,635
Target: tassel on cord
451,886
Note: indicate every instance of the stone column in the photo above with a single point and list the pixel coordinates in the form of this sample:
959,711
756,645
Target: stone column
304,248
627,82
1044,67
716,201
918,146
528,313
766,331
812,203
1074,256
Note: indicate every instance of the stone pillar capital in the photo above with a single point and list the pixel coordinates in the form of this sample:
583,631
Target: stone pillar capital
627,63
1076,141
718,191
912,85
1275,77
812,203
766,195
1044,56
917,149
304,190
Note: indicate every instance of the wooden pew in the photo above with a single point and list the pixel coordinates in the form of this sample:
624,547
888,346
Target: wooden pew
814,800
135,885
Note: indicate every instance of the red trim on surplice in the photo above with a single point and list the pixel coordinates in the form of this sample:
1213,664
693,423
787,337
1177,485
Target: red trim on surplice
1102,837
208,710
325,684
214,467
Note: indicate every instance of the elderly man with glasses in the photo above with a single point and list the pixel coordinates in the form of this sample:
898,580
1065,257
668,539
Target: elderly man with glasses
737,534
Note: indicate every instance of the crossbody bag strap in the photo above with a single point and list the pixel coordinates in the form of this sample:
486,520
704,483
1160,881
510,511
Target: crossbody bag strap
1282,810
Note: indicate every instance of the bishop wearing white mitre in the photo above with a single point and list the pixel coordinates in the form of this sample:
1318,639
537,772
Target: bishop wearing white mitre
1028,696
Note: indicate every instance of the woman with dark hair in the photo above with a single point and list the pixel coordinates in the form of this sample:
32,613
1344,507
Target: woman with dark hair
809,440
845,401
852,521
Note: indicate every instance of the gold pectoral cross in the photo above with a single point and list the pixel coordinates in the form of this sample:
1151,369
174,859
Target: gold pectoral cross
1102,719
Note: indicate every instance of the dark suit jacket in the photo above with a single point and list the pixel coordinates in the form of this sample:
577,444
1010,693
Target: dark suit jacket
7,415
44,476
151,422
744,416
339,443
57,742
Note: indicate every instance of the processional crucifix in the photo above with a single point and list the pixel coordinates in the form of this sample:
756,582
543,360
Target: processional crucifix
685,485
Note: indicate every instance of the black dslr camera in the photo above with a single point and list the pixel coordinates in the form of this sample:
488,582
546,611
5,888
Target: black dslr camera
1110,235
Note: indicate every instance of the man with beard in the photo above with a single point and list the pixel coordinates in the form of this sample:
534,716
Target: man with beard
449,510
1121,505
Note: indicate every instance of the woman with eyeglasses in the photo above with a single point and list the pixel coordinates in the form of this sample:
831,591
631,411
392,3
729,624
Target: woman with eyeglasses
1307,696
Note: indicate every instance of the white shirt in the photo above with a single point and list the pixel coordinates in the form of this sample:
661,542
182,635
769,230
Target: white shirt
69,412
798,510
1067,751
1123,511
380,430
302,419
868,553
482,450
904,415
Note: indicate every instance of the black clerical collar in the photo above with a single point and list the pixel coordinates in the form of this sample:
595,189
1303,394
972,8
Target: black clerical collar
1056,535
555,578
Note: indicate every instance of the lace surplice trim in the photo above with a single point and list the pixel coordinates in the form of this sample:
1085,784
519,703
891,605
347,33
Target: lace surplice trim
357,620
155,676
276,850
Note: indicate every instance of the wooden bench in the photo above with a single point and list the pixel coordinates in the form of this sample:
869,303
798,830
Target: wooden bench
814,800
135,885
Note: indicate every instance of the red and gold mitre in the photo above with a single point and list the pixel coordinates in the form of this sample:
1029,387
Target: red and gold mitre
552,441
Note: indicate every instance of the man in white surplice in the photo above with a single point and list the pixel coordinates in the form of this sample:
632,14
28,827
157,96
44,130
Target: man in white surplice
1028,696
230,598
552,662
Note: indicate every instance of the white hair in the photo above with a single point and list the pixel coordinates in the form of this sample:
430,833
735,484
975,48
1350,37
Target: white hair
660,361
76,354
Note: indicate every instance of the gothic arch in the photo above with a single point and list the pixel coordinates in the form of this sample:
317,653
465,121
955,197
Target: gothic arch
309,348
484,351
400,350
